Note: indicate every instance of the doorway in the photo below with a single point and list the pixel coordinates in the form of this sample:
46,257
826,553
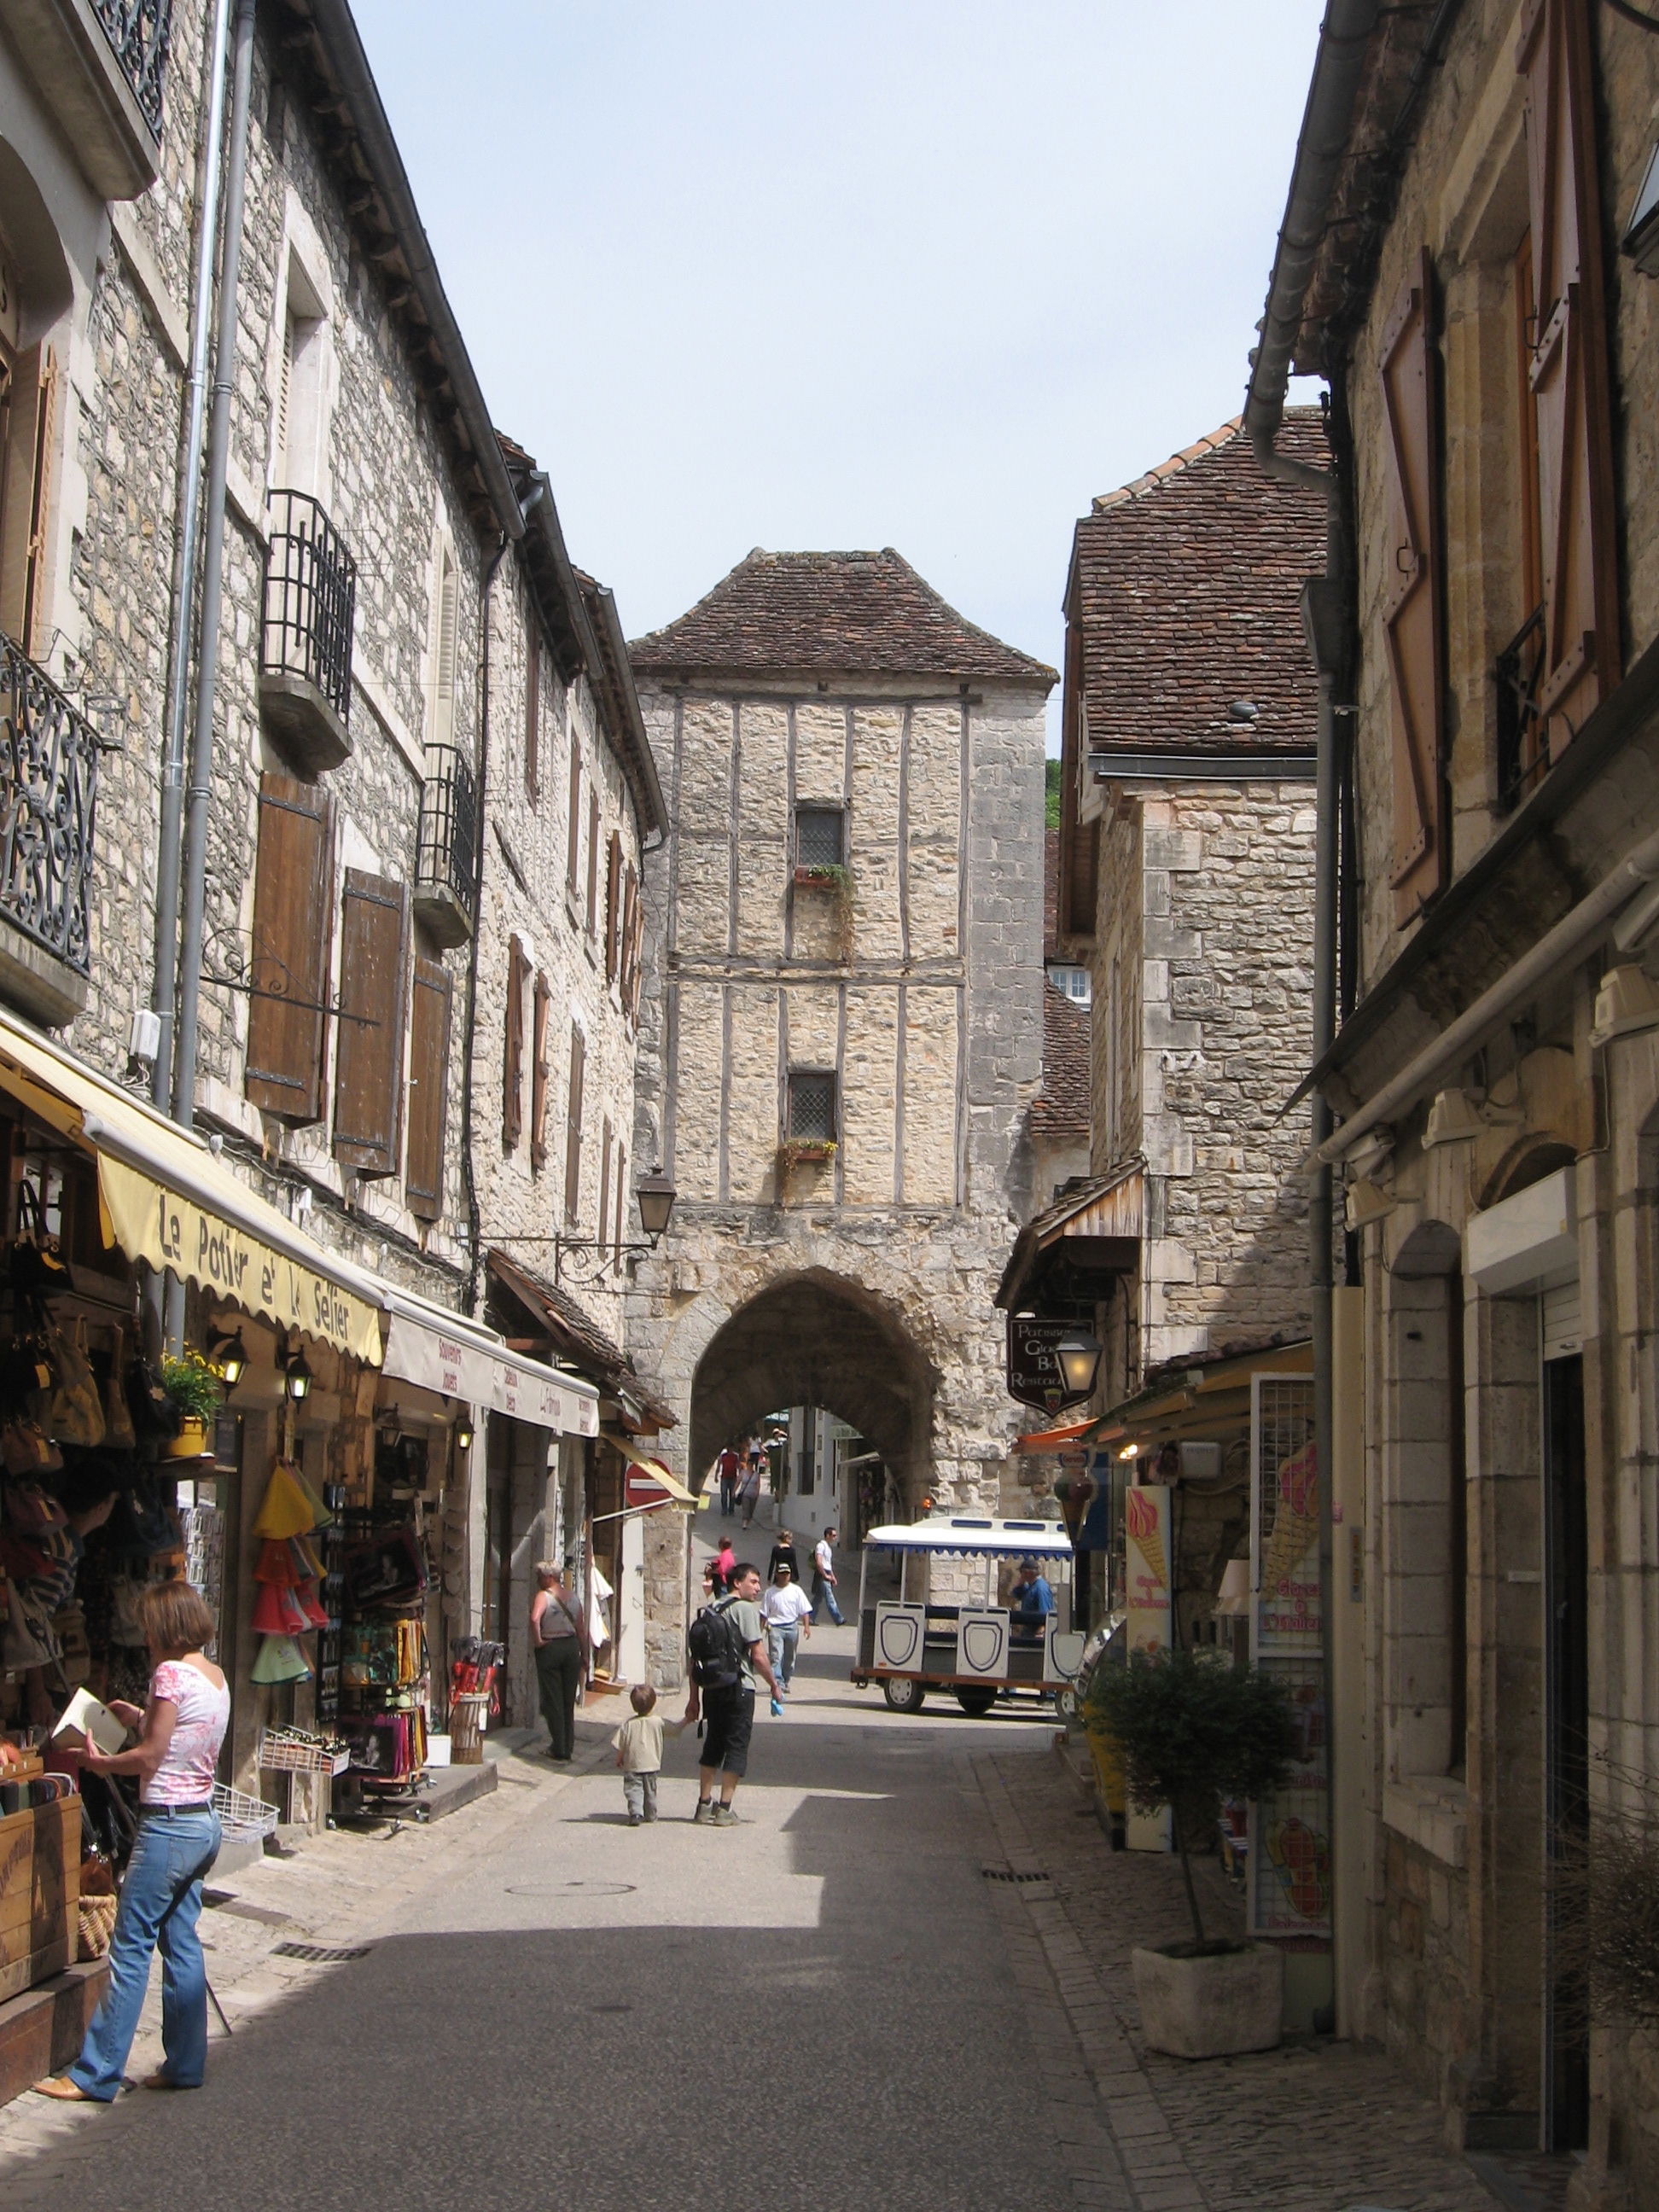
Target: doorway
1566,1752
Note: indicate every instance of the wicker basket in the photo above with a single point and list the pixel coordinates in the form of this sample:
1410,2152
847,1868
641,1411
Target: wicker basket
95,1920
466,1720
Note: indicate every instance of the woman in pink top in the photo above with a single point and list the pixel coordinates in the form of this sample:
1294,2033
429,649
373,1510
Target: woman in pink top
181,1729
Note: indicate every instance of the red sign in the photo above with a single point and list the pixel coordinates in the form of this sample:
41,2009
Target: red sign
642,1490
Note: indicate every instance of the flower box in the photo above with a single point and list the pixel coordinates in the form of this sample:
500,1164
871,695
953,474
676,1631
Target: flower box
822,876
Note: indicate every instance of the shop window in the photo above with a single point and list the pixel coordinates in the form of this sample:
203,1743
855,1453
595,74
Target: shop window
820,837
518,967
538,1075
429,1089
573,1142
812,1108
293,926
369,1059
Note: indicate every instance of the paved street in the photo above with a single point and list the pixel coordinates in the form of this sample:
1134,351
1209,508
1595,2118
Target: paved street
830,2007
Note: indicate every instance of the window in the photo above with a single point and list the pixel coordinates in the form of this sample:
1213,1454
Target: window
369,1059
299,410
428,1089
1074,982
573,1143
292,925
812,1108
538,1074
820,838
443,650
28,443
574,849
518,967
593,861
532,722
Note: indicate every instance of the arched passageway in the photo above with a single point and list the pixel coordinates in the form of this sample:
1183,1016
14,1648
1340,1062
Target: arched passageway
816,1339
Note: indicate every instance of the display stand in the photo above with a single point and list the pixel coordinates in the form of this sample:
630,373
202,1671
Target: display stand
383,1667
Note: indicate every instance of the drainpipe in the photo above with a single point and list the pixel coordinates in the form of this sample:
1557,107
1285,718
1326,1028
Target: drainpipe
469,1178
213,562
164,988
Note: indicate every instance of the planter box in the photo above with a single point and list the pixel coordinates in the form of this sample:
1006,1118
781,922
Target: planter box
39,1893
814,879
1211,2007
806,1156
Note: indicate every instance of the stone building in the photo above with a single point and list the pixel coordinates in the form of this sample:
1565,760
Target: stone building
843,1021
408,939
1487,320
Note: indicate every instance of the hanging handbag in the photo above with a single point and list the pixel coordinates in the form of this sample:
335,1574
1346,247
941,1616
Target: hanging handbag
72,1411
26,1640
155,1417
34,1262
120,1434
69,1625
30,1509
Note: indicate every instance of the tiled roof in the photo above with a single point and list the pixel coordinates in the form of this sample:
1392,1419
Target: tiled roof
1186,583
1061,1108
843,614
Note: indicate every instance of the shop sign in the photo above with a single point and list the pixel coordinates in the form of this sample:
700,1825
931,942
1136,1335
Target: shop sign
643,1491
152,1224
455,1366
1034,1375
1147,1566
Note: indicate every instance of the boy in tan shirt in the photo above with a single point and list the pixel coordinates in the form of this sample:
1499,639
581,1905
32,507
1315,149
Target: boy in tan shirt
638,1754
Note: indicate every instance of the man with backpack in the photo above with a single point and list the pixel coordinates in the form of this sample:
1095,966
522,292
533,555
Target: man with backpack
727,1643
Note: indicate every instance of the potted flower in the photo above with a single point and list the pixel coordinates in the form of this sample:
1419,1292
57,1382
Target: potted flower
196,1391
1192,1730
823,876
805,1152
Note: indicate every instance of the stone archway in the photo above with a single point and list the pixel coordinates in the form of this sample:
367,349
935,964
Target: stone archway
815,1338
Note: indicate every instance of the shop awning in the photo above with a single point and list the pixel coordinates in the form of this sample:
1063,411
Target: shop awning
967,1536
460,1358
1042,1441
1208,1399
1095,1230
168,1202
654,1469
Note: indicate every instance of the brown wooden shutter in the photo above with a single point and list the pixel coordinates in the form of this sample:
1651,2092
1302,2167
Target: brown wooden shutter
1411,598
429,1089
532,721
621,1206
633,934
604,1185
573,1143
593,860
612,915
293,926
1569,372
573,858
29,462
538,1077
369,1057
513,1054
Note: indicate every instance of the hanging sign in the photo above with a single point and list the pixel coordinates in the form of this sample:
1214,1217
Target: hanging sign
1034,1375
1147,1563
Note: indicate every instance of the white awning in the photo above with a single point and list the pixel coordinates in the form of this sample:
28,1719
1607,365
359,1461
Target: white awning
460,1358
964,1536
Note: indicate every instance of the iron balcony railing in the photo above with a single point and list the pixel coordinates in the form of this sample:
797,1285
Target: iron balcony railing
139,30
1522,752
311,593
448,852
48,799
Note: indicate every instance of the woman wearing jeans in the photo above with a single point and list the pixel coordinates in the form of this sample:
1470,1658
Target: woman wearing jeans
174,1758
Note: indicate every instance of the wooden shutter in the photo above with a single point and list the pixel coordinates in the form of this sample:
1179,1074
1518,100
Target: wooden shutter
293,926
1411,598
1569,372
573,1143
612,915
572,857
604,1185
632,932
621,1206
429,1089
532,721
284,392
538,1077
29,462
368,1056
443,666
513,1056
593,860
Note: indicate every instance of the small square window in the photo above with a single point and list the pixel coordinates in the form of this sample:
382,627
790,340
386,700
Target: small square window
819,837
813,1108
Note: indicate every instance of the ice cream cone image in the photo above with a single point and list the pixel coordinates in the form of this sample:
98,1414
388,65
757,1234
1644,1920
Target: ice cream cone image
1141,1516
1295,1524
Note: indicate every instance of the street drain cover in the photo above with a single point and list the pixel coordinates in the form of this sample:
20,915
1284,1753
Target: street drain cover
610,2008
571,1888
320,1955
1012,1873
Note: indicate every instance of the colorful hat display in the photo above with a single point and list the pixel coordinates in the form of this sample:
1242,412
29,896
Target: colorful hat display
288,1573
280,1660
287,1511
277,1611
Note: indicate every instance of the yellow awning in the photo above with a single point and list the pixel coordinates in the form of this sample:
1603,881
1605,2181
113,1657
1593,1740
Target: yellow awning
654,1467
168,1201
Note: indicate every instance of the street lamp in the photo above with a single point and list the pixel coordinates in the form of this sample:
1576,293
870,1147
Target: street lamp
1078,1358
296,1376
464,1433
227,1355
656,1195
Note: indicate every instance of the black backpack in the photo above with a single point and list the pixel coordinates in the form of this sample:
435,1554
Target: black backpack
715,1648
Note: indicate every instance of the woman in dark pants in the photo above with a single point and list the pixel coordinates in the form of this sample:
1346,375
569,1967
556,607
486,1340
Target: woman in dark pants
557,1630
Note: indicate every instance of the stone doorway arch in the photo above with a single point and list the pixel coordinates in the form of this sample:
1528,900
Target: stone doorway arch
816,1339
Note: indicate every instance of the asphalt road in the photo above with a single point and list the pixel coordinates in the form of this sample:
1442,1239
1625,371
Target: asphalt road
813,2009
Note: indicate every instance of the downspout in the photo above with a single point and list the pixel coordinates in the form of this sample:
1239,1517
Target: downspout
200,758
164,988
469,1175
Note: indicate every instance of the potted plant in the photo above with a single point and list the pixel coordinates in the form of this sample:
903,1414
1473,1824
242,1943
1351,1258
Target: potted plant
823,876
805,1152
1191,1730
196,1391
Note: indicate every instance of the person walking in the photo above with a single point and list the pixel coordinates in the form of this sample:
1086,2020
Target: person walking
720,1571
181,1729
787,1612
638,1754
729,1662
559,1637
784,1554
748,1489
823,1576
728,1465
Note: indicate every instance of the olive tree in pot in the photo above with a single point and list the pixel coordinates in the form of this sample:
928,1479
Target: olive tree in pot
1192,1730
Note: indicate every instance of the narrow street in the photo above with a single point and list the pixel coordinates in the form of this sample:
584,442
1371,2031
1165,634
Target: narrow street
831,2006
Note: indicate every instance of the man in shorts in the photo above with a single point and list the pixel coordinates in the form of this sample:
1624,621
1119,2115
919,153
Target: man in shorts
729,1712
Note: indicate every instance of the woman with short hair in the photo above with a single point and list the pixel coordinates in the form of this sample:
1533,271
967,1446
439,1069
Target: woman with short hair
560,1636
180,1730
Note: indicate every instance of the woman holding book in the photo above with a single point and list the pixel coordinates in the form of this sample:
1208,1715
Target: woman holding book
180,1730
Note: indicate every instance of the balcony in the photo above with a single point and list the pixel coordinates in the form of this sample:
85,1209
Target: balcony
48,797
1524,751
100,66
305,652
448,857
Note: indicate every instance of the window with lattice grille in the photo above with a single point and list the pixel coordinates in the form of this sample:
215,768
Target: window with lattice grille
811,1108
820,839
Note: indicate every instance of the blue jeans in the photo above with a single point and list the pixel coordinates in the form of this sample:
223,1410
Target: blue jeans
160,1903
823,1594
781,1644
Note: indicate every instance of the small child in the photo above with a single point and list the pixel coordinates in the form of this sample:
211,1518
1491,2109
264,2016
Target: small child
638,1754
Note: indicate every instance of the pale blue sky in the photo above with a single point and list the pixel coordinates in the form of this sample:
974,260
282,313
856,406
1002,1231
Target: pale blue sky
920,273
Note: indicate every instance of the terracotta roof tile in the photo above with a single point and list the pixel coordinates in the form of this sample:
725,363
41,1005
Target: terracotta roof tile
1186,583
839,613
1062,1109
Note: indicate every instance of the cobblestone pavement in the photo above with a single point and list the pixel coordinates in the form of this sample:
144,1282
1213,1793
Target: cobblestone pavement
1312,2127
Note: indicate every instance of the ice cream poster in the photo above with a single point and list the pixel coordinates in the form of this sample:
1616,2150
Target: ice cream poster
1288,1612
1146,1561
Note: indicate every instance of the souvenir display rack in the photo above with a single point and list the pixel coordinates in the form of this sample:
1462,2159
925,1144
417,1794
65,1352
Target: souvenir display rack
384,1668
